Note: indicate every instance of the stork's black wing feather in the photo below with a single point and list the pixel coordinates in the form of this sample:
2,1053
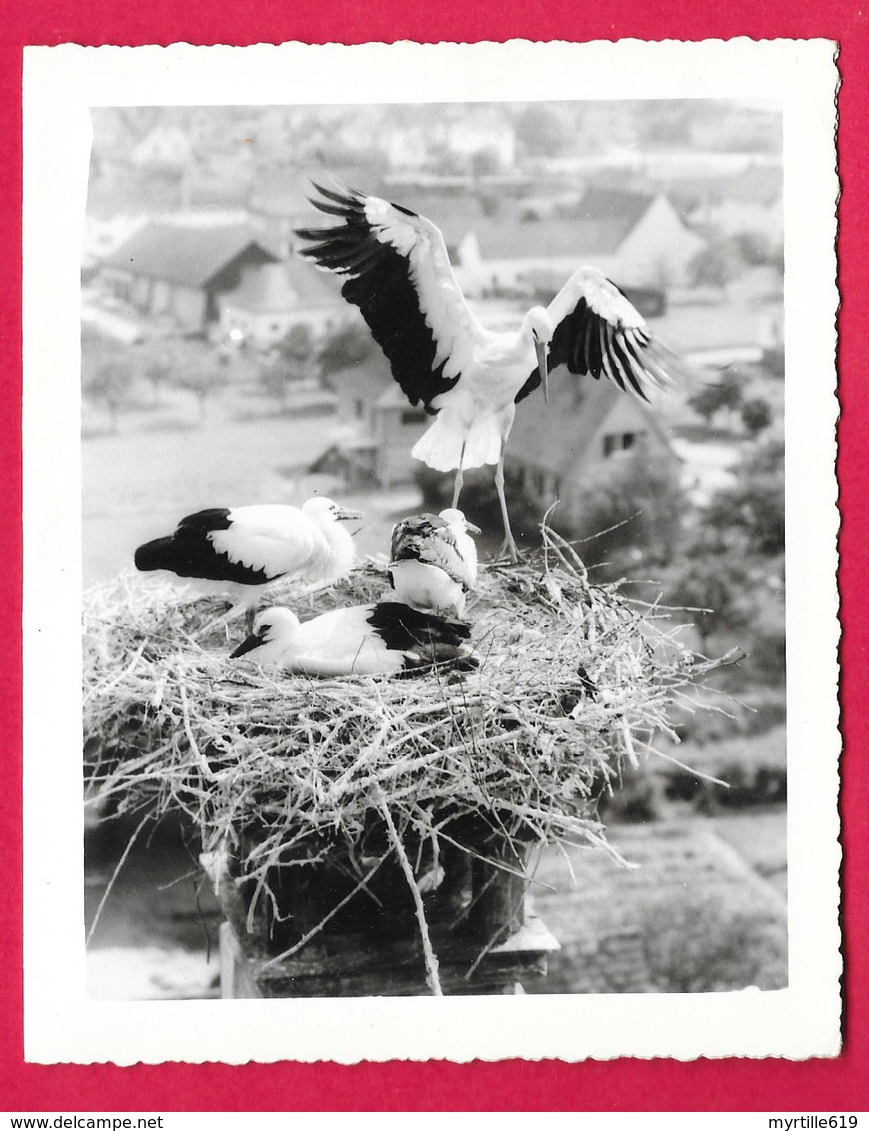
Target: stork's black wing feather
528,388
189,552
402,627
376,259
599,332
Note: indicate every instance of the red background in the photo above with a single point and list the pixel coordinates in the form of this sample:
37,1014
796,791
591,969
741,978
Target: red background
626,1085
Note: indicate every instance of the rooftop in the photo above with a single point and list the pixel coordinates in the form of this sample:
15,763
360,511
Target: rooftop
188,256
267,287
554,436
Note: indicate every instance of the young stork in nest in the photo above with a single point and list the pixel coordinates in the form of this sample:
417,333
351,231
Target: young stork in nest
383,639
469,378
238,550
434,562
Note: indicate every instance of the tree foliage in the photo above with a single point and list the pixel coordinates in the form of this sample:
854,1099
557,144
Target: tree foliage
750,515
756,415
629,517
292,359
726,393
349,345
699,943
630,514
716,264
541,130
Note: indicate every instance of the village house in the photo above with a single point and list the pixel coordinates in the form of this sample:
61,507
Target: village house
278,204
177,274
748,201
482,130
587,426
552,449
273,298
637,239
165,147
378,427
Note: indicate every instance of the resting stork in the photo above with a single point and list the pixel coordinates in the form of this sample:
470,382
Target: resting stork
433,562
470,378
383,639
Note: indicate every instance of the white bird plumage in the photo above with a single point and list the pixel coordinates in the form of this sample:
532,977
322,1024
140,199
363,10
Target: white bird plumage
236,551
380,639
399,275
433,562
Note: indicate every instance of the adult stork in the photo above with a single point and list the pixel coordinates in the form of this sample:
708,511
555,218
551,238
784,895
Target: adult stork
382,639
470,378
433,562
238,550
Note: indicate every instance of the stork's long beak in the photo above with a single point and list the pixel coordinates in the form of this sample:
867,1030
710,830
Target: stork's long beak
248,645
343,514
473,529
542,366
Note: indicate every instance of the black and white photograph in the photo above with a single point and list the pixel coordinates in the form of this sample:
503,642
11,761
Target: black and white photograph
440,630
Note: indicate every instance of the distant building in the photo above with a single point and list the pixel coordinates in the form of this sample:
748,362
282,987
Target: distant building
635,238
166,147
554,448
380,427
273,298
278,204
177,274
748,201
480,131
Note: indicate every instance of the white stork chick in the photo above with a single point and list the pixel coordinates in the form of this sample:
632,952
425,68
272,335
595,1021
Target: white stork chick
237,551
434,562
383,639
469,378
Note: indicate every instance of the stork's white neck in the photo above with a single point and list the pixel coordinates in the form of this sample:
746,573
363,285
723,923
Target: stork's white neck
340,551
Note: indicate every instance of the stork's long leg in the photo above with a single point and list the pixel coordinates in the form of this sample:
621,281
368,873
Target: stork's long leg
509,544
460,478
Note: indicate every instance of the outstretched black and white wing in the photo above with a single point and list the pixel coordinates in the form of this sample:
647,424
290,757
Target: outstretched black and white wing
599,332
431,540
399,275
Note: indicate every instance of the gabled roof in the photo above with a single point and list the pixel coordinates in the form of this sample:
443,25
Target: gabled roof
625,205
555,437
263,288
188,256
267,287
311,285
596,225
554,237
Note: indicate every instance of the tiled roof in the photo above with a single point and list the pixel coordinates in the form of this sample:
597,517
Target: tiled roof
277,286
188,256
596,225
263,288
312,285
555,436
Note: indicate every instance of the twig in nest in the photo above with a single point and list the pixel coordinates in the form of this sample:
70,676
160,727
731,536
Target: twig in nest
431,961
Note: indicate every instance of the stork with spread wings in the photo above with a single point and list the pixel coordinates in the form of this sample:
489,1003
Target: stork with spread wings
468,378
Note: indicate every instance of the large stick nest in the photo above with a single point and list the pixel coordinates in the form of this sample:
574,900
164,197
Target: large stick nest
573,679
